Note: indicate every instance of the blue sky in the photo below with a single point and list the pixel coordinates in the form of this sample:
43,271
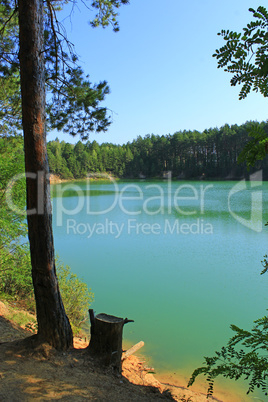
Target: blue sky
160,69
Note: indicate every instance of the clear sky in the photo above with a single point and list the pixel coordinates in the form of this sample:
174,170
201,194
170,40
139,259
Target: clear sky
160,69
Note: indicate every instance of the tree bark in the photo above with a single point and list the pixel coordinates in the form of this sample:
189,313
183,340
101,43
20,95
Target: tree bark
106,339
53,324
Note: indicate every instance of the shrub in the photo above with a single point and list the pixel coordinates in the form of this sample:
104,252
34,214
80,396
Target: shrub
15,277
16,281
75,295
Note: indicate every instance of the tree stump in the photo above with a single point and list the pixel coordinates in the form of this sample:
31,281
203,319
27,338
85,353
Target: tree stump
106,339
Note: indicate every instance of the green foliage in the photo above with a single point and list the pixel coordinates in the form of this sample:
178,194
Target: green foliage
16,281
73,102
245,54
10,105
107,13
13,227
257,147
251,365
75,295
76,110
15,277
15,271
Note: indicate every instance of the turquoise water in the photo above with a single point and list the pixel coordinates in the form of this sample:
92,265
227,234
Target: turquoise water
176,257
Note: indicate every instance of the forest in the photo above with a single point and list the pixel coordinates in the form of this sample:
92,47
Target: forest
212,154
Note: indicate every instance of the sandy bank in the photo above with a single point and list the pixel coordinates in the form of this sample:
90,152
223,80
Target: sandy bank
55,179
73,376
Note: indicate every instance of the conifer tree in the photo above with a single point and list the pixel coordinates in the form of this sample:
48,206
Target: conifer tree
34,48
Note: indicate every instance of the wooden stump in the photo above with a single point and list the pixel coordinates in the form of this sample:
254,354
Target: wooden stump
106,339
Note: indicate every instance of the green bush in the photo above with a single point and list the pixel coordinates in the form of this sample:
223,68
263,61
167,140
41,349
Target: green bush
15,277
15,264
75,295
16,282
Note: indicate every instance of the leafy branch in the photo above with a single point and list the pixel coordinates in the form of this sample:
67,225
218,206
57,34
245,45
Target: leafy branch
235,364
245,55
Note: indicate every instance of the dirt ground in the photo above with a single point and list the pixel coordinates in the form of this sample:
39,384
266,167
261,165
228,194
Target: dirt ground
40,374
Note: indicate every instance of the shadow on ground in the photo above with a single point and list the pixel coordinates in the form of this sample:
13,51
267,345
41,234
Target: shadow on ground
42,373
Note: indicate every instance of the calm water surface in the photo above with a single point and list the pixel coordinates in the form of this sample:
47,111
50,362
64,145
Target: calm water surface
182,259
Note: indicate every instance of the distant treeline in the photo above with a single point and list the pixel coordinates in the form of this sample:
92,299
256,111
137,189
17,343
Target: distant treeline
187,154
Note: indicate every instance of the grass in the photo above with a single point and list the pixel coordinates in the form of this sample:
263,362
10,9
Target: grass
22,318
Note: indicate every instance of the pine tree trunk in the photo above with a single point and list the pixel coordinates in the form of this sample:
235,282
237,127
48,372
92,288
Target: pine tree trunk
53,324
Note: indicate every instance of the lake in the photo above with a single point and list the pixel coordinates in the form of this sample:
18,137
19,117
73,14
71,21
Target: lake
180,258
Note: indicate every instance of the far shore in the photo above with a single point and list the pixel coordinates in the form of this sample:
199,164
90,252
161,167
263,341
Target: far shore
56,179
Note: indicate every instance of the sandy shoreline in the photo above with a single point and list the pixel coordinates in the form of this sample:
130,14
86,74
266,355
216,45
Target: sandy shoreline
177,380
136,369
55,179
